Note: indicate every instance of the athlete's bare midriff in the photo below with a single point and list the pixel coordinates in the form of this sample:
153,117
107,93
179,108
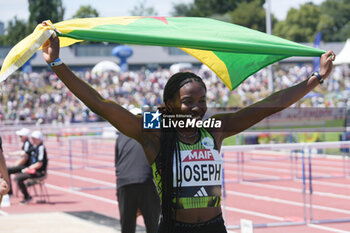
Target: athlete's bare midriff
199,215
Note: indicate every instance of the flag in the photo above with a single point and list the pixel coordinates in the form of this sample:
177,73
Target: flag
317,44
233,52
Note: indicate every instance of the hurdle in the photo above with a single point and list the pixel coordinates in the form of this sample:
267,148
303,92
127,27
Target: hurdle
85,155
240,151
345,166
294,155
311,190
306,154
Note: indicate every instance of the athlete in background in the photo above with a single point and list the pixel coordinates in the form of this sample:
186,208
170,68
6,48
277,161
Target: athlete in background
135,187
23,154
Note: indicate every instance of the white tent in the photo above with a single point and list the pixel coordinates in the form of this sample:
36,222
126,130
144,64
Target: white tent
178,67
105,66
344,56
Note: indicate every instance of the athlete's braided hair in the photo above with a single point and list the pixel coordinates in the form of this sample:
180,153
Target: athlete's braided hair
169,148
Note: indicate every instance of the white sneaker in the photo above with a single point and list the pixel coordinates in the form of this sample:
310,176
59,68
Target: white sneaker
5,201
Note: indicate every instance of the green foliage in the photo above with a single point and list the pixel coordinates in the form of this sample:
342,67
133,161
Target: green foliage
143,10
41,10
300,24
181,9
248,13
16,31
2,40
251,15
337,28
332,18
86,12
206,8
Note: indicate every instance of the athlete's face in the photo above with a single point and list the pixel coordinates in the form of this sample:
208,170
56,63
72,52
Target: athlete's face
191,100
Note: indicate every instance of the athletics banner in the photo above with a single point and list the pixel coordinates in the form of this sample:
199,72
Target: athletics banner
233,52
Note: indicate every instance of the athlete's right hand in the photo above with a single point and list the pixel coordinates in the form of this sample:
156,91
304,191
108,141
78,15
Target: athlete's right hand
51,48
4,187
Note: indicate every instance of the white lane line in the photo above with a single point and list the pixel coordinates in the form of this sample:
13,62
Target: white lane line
331,229
228,208
293,203
116,202
85,159
98,170
3,213
295,190
246,183
82,178
252,174
254,213
267,216
106,200
339,185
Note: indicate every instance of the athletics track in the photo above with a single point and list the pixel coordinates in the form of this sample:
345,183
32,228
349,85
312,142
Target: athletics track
267,187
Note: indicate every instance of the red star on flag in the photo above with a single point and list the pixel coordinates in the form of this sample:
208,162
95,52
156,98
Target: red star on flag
162,18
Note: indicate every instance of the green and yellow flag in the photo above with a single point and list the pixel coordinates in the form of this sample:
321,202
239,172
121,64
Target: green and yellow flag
233,52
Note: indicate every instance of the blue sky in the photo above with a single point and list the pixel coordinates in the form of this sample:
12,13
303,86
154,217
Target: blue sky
10,8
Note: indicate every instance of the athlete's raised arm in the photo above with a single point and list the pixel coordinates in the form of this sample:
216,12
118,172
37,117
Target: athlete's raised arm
234,123
4,180
119,117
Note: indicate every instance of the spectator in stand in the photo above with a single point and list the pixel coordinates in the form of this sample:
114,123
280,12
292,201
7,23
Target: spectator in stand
28,97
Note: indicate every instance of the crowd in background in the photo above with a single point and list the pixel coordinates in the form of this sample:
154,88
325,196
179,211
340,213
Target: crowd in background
42,97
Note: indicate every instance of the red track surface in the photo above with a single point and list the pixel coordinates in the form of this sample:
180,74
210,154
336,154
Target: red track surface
278,198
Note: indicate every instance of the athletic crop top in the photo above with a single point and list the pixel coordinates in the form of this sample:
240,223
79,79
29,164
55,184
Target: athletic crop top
199,179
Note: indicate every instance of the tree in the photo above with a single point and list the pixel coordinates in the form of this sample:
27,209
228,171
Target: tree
86,12
337,21
302,24
180,9
16,31
143,10
41,10
205,8
251,15
248,13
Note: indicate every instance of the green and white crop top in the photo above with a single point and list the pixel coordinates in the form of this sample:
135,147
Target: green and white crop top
200,177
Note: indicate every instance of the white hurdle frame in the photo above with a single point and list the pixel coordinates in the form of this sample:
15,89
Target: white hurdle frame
291,146
85,155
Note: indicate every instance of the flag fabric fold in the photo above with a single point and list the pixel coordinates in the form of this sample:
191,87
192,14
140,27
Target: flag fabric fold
233,52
